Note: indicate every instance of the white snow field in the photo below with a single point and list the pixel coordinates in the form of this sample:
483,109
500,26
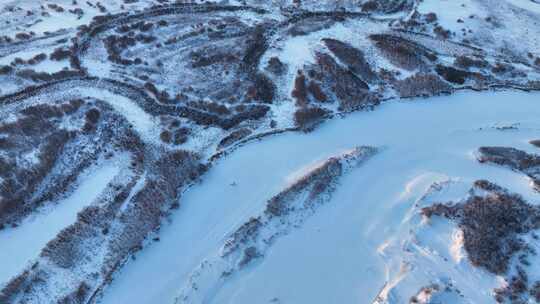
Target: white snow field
366,244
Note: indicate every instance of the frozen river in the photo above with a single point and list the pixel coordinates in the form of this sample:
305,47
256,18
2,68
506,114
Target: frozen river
334,256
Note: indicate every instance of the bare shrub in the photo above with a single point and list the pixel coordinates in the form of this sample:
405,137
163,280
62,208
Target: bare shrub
65,249
299,92
23,36
60,54
370,6
275,66
351,92
511,157
244,234
72,106
200,59
307,118
234,137
249,255
165,136
264,88
386,7
452,75
491,225
421,85
170,173
352,57
316,91
92,116
180,135
11,289
5,69
431,17
441,32
43,111
466,62
401,52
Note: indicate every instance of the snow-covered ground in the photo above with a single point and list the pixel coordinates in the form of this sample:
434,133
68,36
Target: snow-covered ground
501,23
22,244
346,252
144,123
204,79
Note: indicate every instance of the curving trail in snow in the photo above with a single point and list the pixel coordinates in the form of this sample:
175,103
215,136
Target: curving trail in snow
346,252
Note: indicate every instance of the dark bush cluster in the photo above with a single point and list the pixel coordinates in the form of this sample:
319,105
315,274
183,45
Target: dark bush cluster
452,75
60,54
315,90
528,164
441,32
245,234
5,69
244,241
91,120
162,96
387,7
466,62
234,137
431,17
47,77
251,112
249,255
491,225
116,44
56,7
20,282
300,91
339,84
66,249
402,52
43,111
511,157
262,89
20,183
212,107
315,182
352,57
421,84
23,36
177,136
32,61
38,130
162,188
200,59
307,118
276,67
141,26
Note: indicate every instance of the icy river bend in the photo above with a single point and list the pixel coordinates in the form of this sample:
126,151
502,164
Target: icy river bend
336,256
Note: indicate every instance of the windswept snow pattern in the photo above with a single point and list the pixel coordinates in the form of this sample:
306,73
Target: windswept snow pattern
269,151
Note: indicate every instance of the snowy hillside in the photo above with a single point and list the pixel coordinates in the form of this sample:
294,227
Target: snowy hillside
269,151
